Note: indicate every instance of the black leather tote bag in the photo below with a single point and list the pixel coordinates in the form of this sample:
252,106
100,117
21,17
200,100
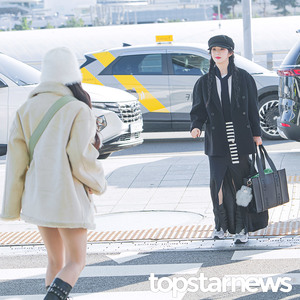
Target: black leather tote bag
269,186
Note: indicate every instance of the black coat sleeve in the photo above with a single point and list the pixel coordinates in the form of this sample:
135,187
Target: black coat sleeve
253,107
198,113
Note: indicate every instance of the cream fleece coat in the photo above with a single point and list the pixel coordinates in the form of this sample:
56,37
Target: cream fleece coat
52,190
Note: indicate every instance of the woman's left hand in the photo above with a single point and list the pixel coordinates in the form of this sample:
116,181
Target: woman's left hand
257,140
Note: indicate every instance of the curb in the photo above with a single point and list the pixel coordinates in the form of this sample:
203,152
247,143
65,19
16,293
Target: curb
189,232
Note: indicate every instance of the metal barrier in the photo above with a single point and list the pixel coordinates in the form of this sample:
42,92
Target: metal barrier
270,59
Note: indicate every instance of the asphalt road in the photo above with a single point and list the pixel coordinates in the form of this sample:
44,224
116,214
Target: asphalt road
107,277
189,274
182,142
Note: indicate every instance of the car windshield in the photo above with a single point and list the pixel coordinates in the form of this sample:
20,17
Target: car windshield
249,65
293,57
18,72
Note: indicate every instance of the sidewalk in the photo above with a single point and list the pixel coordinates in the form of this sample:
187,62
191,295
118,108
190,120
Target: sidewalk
164,197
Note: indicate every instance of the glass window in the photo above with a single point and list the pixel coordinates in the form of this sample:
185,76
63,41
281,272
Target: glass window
146,64
189,64
18,72
249,65
2,84
298,60
293,57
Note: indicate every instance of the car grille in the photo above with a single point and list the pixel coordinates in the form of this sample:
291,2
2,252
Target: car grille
130,112
129,136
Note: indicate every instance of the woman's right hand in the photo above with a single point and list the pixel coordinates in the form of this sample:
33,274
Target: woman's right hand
196,132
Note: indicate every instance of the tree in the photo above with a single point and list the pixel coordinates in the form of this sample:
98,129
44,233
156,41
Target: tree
25,25
281,4
74,22
49,26
226,6
263,4
233,4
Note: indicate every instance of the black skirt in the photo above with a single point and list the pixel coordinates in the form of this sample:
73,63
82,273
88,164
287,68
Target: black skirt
229,172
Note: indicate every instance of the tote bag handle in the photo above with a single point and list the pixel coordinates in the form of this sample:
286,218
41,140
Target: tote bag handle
260,161
253,171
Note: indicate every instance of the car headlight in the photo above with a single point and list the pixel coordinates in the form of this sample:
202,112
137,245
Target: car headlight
101,123
107,105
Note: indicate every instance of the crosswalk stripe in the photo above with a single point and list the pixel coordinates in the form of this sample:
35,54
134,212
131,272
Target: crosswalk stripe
125,256
137,295
266,254
107,271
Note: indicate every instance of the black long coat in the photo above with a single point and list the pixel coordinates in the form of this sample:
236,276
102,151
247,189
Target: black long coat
244,113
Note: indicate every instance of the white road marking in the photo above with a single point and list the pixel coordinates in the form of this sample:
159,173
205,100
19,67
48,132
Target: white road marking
266,254
125,256
106,271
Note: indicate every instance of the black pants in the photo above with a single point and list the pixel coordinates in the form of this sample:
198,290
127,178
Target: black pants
230,176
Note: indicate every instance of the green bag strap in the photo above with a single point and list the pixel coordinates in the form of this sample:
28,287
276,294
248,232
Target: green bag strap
45,121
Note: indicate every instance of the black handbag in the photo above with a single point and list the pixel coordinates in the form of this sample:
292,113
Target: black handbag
269,185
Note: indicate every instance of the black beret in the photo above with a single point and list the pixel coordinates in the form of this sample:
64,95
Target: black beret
223,41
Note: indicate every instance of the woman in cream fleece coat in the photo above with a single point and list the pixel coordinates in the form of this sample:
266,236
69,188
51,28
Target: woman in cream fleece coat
54,190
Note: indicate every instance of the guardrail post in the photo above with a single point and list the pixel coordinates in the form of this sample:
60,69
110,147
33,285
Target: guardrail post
270,61
247,30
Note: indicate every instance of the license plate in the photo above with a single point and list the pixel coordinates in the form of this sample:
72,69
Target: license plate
136,127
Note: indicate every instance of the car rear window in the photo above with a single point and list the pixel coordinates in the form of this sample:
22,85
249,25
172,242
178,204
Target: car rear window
293,57
18,72
249,65
189,64
145,64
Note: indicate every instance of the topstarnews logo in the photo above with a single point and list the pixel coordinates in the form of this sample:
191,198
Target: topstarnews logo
230,283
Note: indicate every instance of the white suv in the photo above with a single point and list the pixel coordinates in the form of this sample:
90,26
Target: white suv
118,113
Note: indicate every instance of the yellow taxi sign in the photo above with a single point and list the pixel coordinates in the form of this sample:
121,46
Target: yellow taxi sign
164,38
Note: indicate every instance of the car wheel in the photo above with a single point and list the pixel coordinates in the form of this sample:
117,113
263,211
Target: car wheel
268,114
104,156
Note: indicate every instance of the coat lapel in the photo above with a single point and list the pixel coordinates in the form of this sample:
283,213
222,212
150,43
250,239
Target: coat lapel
232,99
217,101
235,104
215,97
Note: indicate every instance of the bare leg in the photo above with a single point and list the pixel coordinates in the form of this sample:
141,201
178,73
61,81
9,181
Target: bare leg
66,249
74,241
221,209
220,194
55,252
233,184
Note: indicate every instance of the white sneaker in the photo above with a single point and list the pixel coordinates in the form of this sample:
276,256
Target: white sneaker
218,234
241,238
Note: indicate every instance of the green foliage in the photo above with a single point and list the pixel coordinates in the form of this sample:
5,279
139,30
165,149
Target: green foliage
226,6
25,25
49,26
74,22
282,4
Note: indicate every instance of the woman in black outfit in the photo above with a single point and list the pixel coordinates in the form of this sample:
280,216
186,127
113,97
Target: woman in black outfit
225,100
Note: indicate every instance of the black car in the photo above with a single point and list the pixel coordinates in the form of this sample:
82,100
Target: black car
288,122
